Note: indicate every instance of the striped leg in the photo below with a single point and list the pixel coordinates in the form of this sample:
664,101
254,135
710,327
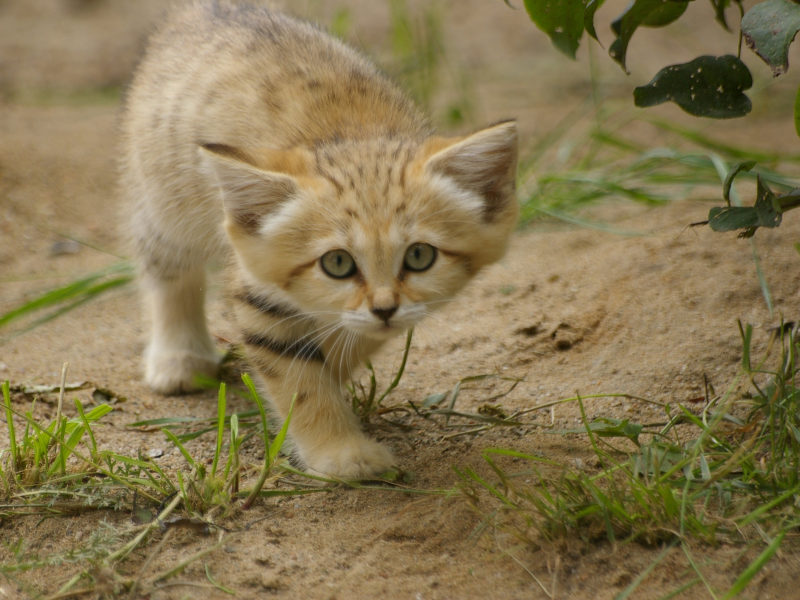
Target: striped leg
282,346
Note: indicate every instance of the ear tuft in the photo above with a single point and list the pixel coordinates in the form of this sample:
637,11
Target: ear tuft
484,163
249,193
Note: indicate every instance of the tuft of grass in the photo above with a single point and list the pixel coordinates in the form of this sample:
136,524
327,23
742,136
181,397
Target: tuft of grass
58,469
419,60
42,452
728,473
45,471
417,48
365,400
271,450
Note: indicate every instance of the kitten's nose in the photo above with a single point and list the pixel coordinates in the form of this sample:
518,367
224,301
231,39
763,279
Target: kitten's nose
384,314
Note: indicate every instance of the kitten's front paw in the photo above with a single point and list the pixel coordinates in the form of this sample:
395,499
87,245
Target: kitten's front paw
356,459
174,372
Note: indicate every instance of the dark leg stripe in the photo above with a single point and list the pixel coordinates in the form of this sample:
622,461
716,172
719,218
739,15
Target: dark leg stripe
265,305
297,349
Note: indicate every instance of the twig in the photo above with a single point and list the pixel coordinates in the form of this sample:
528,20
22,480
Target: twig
182,565
67,586
128,548
71,593
536,579
156,552
555,575
574,399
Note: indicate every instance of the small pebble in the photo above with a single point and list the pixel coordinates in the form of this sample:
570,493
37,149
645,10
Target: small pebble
65,247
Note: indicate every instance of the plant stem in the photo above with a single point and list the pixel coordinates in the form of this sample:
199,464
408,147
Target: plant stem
402,368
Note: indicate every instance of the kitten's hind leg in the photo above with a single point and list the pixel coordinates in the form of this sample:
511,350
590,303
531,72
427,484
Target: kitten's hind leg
180,347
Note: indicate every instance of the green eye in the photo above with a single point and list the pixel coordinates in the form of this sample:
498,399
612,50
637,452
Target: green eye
419,257
338,264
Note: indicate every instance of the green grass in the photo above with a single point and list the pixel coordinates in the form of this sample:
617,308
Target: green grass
54,471
588,158
51,470
726,473
364,400
60,300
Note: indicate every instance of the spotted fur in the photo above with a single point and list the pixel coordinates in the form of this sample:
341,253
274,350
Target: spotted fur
250,134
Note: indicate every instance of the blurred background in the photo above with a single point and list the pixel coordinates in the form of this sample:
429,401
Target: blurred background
64,65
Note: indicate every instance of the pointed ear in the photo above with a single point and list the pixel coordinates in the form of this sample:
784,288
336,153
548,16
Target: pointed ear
251,190
484,163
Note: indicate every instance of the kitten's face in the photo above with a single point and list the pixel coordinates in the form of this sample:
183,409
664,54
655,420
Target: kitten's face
371,236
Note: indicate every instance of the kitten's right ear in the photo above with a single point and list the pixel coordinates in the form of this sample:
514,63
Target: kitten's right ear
484,163
249,192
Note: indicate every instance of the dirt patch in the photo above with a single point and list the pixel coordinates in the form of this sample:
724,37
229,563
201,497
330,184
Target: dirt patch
570,310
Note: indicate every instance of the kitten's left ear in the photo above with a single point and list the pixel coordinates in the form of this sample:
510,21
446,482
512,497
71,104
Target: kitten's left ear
254,184
484,163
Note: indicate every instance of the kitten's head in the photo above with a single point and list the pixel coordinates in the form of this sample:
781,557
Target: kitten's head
370,234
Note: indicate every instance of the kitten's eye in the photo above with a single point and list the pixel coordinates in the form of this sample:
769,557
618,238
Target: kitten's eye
419,257
338,264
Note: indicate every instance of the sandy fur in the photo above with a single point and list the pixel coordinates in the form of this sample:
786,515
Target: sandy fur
248,132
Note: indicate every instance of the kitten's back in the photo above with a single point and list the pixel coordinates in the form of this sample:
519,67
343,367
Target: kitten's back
246,77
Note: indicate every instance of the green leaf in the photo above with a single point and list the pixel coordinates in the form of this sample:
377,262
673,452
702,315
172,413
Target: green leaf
769,28
588,17
562,20
608,428
434,399
708,86
766,213
705,472
719,10
648,13
745,165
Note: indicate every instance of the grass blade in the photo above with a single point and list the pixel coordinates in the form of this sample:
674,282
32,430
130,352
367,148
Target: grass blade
270,453
754,567
220,427
173,438
277,443
11,433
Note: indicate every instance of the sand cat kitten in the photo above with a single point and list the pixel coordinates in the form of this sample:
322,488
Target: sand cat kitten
348,219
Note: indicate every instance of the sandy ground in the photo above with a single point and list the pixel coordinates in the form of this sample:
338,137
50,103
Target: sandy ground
569,310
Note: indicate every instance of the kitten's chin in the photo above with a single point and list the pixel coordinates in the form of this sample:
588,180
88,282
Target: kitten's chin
384,333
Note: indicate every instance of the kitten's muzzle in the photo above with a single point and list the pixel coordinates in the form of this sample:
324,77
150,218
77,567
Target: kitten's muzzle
384,314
